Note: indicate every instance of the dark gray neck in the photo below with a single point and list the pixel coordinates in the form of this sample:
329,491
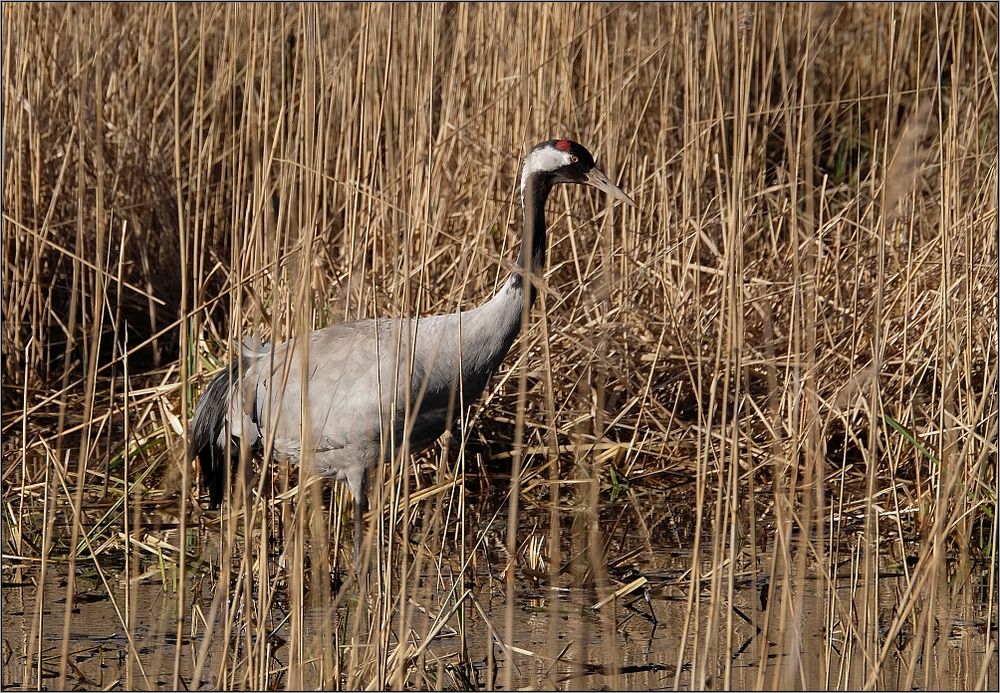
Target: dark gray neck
531,258
490,329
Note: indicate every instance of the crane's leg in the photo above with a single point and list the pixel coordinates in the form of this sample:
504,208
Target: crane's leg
360,508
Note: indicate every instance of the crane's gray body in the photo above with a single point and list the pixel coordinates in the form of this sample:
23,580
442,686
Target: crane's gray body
368,382
367,387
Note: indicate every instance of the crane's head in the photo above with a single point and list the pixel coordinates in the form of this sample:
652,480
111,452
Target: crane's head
565,161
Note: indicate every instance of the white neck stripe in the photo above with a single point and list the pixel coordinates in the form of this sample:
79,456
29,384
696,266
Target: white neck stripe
544,159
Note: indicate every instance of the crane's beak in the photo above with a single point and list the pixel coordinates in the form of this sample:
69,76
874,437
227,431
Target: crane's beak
601,182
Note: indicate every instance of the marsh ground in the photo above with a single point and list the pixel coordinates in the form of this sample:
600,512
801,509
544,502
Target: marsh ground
777,376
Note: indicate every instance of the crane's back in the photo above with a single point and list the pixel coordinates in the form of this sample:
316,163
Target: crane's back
367,382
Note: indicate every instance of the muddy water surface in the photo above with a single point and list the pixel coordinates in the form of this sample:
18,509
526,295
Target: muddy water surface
647,650
648,638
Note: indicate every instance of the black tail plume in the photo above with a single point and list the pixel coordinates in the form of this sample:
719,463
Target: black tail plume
207,428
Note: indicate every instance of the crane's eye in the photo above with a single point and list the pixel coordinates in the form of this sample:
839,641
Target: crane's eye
573,159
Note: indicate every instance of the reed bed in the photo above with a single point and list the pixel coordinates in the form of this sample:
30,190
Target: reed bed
765,400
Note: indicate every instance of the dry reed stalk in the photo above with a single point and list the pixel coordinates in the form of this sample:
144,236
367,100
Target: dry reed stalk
798,326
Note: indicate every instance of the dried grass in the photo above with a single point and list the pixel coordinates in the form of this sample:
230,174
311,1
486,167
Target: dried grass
798,325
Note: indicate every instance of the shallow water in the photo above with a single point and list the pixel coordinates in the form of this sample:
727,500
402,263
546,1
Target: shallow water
647,652
559,639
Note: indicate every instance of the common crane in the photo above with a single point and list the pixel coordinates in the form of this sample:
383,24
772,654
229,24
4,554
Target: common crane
361,389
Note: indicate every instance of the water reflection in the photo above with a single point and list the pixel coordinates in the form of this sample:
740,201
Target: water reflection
647,626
